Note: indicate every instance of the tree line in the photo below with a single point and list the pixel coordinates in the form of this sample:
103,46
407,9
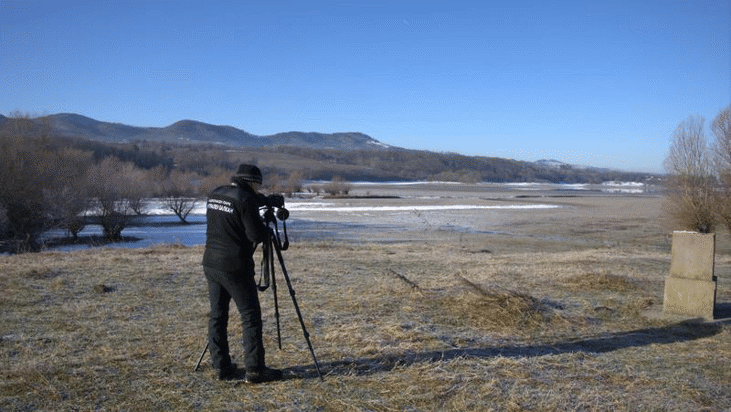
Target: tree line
699,174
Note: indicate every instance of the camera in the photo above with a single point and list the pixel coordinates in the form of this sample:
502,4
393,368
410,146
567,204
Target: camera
272,200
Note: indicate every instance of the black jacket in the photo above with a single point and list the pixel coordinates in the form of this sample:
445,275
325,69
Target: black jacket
234,228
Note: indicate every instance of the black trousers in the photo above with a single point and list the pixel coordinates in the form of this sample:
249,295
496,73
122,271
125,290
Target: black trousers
241,287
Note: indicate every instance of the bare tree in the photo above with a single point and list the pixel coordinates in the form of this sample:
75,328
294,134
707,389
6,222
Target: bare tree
39,184
294,182
286,185
65,195
691,190
721,128
112,195
338,186
689,154
179,194
65,207
21,187
217,177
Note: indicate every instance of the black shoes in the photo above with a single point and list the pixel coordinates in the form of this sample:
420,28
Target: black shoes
263,375
230,373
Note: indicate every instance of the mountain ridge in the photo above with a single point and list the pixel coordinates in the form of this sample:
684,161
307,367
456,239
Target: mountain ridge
187,131
193,131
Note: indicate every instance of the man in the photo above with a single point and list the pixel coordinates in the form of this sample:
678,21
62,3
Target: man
234,230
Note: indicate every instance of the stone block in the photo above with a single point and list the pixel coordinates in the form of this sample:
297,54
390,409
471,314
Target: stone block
690,297
692,255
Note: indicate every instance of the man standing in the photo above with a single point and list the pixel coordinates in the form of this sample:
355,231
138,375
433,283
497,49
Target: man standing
234,229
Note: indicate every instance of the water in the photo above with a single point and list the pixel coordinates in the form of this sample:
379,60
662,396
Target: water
318,219
143,232
160,229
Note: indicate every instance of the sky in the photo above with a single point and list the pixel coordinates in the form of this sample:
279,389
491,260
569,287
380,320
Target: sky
598,83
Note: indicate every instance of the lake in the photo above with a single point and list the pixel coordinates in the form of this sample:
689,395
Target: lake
383,212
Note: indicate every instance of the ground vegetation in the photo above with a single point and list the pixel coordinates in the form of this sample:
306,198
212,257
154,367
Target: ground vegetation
405,326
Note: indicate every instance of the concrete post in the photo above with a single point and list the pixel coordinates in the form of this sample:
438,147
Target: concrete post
691,287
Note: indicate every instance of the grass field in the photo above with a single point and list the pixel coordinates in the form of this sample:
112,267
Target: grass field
551,310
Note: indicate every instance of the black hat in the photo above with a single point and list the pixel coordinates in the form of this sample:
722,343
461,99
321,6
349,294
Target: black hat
250,173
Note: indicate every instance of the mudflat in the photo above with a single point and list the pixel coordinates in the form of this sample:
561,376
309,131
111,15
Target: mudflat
505,217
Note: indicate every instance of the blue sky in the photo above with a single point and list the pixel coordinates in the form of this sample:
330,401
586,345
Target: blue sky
601,83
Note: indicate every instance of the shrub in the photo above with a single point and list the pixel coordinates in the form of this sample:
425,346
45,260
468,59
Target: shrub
337,187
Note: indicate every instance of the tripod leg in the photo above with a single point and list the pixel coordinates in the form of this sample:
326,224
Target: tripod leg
198,364
297,308
270,262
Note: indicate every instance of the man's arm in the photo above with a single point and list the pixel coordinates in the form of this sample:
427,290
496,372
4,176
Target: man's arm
255,229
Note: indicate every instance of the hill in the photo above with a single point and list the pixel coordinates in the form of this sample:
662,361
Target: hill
352,155
190,131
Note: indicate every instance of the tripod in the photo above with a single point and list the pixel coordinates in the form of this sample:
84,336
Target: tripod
273,244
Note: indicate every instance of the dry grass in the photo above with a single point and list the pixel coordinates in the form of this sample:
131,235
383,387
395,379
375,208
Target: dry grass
411,326
553,317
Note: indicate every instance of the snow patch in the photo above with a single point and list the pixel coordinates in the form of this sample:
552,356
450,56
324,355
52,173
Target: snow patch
327,207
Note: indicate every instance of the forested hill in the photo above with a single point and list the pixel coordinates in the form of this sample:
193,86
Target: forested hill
415,165
190,131
203,149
